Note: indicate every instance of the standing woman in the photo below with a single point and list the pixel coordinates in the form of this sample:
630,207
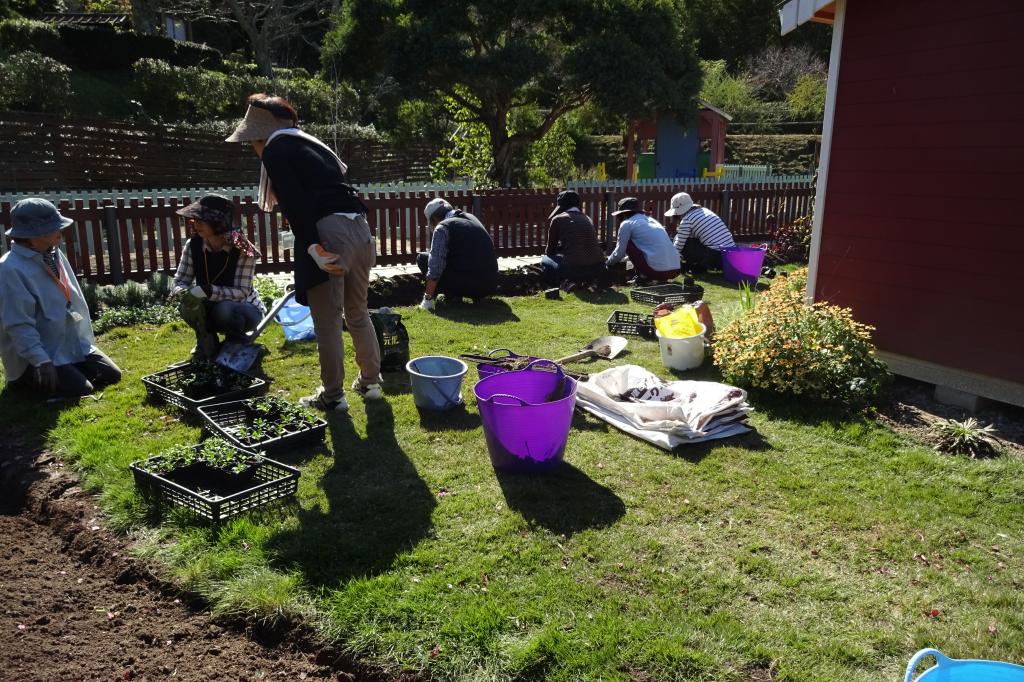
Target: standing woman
46,339
334,248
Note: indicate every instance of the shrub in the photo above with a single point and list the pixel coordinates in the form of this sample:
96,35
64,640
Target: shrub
965,438
268,289
126,317
26,35
33,82
127,295
159,285
787,347
775,71
91,294
792,243
197,54
807,98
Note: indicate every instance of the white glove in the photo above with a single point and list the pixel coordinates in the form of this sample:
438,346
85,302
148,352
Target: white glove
326,260
427,304
197,291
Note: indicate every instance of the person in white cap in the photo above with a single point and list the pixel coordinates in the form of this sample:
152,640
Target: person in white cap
700,235
334,247
46,339
461,261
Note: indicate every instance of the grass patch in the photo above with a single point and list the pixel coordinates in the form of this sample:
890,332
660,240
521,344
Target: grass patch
818,548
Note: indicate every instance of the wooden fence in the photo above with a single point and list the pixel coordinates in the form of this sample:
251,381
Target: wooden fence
52,152
131,238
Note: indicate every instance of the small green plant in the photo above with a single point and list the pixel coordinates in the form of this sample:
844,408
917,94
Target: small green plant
268,289
965,438
746,296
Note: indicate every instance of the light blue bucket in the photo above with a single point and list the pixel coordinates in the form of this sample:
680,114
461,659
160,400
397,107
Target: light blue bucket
436,381
963,670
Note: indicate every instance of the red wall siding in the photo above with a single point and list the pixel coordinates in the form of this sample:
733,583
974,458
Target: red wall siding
923,232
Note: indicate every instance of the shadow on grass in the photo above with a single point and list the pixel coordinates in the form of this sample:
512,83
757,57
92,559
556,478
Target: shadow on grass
486,311
396,382
455,419
376,507
805,411
602,297
564,501
23,433
752,440
582,421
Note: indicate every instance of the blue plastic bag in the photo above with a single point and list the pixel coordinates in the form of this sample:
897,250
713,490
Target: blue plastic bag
297,321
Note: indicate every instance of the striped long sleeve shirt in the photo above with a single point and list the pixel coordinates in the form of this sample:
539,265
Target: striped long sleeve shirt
706,227
242,289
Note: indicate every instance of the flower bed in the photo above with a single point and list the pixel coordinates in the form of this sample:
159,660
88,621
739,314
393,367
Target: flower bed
266,423
215,480
190,385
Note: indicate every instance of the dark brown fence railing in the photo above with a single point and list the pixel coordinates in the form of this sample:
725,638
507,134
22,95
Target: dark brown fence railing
129,239
40,152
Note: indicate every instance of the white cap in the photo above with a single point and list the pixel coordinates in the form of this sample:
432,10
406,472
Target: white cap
435,205
681,203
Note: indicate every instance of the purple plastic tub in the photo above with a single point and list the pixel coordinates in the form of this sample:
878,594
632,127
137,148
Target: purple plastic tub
525,432
742,263
484,370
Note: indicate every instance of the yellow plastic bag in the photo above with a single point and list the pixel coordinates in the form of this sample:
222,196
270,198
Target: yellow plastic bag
679,324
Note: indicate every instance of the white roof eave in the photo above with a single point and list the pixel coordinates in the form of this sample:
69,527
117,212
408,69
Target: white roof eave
798,12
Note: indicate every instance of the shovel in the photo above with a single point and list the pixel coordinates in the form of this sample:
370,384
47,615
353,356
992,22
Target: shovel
241,356
606,347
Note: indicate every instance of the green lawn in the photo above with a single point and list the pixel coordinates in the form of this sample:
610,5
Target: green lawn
818,548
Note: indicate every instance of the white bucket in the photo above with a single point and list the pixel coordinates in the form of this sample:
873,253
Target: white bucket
682,354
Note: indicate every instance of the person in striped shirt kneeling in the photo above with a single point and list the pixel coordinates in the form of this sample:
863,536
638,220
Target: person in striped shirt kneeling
700,235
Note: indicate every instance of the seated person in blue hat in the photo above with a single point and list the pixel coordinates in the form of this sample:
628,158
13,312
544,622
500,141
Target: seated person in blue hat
46,338
573,253
215,277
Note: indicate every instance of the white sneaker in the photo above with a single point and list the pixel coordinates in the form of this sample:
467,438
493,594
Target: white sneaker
371,391
317,401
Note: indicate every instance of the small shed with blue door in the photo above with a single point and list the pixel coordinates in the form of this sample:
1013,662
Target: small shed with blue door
663,147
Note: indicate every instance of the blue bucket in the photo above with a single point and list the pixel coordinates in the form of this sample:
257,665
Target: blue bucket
436,381
963,670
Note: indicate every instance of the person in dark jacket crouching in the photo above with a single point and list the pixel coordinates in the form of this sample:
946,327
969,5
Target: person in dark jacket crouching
334,249
46,339
215,275
461,262
573,253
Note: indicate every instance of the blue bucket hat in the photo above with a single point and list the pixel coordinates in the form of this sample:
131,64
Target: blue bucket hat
35,218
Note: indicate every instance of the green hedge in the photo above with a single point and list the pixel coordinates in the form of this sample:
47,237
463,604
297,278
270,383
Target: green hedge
30,81
101,47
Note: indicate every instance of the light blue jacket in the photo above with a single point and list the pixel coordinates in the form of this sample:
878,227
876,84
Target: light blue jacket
37,323
651,238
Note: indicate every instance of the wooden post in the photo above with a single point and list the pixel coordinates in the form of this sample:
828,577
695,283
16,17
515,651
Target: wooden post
725,207
113,243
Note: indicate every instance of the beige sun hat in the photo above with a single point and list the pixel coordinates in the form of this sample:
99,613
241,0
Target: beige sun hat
681,203
258,124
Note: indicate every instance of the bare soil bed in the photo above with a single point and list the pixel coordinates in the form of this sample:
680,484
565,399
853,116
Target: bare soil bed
76,606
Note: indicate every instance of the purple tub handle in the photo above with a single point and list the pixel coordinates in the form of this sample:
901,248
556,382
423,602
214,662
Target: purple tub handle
539,361
522,403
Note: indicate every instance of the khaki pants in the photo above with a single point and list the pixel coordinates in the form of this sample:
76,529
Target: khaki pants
346,293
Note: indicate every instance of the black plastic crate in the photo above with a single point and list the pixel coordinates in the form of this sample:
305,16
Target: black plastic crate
237,385
264,483
636,324
668,293
226,419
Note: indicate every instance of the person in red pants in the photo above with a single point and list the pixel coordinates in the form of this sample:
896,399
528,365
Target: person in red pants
645,241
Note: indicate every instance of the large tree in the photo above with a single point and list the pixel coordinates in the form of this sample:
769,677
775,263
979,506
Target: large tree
631,58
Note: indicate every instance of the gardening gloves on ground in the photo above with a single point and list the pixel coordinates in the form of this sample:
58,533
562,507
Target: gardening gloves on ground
325,260
46,377
427,304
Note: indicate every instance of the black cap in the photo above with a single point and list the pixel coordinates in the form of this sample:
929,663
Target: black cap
629,205
215,209
566,200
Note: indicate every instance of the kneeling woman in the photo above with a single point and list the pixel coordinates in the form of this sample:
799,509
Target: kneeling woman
215,277
46,339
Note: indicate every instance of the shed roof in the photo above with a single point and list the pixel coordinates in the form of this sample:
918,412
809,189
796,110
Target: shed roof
793,13
87,18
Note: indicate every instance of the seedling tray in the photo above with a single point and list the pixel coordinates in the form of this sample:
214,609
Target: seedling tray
635,324
214,494
226,419
163,385
667,293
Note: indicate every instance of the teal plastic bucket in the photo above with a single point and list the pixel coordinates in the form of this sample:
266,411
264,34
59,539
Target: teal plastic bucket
436,381
962,670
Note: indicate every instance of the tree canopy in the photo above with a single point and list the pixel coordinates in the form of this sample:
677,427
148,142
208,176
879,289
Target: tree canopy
631,58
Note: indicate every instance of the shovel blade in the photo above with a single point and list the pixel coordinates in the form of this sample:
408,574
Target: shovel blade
608,347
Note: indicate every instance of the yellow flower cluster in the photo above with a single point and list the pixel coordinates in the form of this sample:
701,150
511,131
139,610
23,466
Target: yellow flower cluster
785,346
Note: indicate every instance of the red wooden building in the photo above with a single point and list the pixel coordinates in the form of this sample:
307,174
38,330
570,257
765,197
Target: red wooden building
919,219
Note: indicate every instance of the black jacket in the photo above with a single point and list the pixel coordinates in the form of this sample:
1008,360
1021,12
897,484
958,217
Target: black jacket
309,185
470,248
